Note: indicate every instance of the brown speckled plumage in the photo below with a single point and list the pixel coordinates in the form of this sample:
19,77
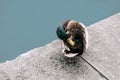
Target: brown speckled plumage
78,33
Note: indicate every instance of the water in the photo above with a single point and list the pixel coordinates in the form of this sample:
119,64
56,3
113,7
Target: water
27,24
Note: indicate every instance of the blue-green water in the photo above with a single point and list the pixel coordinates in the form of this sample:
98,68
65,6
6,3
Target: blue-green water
27,24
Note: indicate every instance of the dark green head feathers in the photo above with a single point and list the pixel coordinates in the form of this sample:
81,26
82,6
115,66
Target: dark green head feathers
61,33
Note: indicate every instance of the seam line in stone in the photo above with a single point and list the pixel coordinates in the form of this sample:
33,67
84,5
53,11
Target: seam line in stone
94,68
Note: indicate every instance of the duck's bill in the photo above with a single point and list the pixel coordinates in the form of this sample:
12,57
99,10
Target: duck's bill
70,41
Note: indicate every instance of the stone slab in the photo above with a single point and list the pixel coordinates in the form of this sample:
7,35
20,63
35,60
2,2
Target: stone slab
47,63
104,47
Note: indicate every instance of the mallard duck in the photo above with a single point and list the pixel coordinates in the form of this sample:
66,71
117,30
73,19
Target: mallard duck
75,38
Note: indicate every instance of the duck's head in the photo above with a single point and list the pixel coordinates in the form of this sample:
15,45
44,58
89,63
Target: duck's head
61,33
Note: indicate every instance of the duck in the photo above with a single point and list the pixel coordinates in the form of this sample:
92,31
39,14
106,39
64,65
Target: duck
74,36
